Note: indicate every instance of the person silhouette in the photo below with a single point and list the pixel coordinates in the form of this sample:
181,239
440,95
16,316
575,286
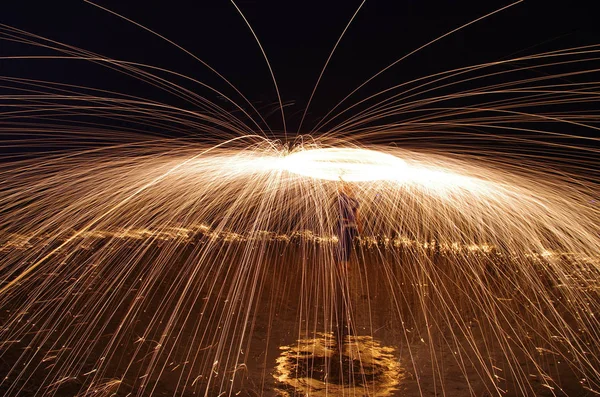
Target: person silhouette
348,228
349,223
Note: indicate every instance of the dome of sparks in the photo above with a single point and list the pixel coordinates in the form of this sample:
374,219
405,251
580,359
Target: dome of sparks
172,228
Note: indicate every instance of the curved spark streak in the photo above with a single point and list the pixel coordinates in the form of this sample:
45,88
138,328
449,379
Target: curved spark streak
175,167
236,204
159,263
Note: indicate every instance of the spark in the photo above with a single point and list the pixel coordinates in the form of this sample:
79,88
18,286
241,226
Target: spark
125,254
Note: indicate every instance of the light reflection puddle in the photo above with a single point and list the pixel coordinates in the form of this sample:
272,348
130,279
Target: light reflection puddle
314,367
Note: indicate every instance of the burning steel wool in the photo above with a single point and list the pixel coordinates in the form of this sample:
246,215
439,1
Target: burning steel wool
149,249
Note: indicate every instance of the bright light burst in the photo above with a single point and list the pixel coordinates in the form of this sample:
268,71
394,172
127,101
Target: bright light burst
363,165
349,164
150,265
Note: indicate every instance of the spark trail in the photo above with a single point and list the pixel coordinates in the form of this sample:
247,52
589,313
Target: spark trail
244,201
140,264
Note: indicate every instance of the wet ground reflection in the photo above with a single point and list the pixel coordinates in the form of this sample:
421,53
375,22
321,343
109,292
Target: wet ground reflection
206,317
315,367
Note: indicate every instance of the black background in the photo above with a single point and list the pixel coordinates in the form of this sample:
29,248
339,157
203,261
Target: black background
297,37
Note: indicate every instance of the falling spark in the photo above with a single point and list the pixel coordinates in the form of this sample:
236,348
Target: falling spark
123,254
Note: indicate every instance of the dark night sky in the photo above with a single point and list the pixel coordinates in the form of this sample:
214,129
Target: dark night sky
297,36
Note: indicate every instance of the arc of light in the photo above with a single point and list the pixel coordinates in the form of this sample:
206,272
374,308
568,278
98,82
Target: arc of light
393,100
190,54
440,76
111,210
268,65
138,68
75,54
327,63
411,53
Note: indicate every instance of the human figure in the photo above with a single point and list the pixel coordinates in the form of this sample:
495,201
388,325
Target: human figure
348,228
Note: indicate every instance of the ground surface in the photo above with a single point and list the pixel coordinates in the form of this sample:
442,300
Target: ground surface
239,329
